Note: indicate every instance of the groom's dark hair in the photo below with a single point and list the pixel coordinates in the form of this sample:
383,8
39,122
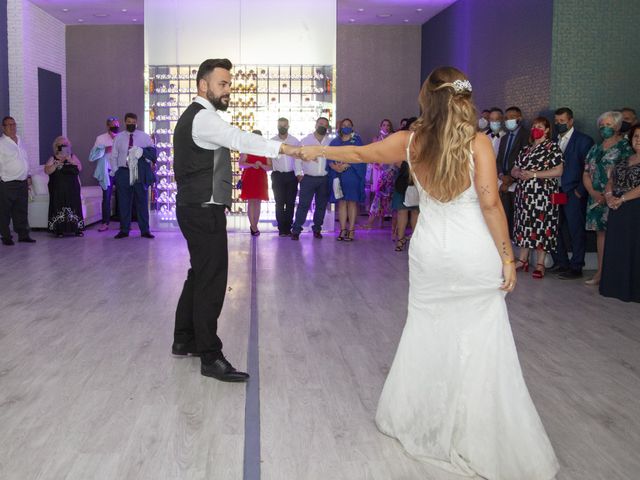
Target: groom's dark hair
210,65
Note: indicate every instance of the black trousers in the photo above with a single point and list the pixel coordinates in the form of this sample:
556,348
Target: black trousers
14,205
285,191
507,204
200,304
106,203
126,194
573,217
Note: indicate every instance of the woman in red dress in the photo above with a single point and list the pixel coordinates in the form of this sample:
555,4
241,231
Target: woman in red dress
254,185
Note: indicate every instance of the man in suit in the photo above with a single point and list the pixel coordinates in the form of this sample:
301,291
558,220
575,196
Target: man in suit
510,146
495,131
202,165
574,145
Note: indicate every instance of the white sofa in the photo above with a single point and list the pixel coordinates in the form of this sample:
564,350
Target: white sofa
39,202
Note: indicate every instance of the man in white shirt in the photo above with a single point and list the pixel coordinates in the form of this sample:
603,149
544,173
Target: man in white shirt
14,186
106,140
313,183
284,181
202,166
126,192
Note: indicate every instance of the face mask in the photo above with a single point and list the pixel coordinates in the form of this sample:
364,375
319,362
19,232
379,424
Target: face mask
131,128
64,149
495,126
483,123
511,124
625,127
283,130
537,133
562,128
114,129
607,132
346,130
321,130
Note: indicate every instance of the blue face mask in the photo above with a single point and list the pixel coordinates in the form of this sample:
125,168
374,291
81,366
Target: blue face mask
511,124
495,126
346,130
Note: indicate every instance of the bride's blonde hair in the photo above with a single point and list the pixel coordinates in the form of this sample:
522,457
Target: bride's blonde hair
443,133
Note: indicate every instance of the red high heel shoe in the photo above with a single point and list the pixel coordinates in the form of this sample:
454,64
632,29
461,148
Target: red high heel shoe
538,272
522,265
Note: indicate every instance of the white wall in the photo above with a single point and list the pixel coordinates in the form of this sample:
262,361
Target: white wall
36,39
245,31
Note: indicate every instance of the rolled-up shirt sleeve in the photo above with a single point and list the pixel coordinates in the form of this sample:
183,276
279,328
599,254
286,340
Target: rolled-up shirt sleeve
211,131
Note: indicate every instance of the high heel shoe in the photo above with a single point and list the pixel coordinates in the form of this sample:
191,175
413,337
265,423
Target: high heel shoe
400,244
538,272
522,265
342,235
350,237
254,233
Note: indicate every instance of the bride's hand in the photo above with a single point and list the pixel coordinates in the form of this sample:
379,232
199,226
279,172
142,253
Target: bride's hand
310,153
509,275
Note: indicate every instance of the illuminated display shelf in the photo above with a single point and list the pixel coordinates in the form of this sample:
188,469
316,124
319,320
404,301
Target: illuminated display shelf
260,95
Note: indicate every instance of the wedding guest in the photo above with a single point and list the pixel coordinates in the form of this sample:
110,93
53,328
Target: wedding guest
483,121
621,261
574,145
405,214
375,169
283,180
629,119
101,152
496,132
600,161
255,185
537,170
14,184
65,204
351,178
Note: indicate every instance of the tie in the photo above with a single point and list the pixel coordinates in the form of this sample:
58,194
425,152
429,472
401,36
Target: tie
130,140
505,161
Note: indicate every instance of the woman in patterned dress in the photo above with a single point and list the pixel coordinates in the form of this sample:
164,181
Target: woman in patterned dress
599,162
537,170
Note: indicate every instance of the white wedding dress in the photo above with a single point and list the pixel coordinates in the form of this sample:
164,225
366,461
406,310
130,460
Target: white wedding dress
455,396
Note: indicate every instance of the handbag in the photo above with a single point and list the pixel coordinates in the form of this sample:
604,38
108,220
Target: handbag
337,188
411,196
559,198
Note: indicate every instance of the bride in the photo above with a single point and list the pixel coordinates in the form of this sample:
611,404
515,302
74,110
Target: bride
455,395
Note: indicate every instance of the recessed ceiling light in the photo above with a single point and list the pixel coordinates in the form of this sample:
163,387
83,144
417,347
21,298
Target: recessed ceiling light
418,9
80,20
124,10
406,20
101,15
65,10
134,20
383,15
352,20
361,9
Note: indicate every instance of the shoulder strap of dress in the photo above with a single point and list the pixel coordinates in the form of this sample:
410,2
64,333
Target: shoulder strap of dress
408,149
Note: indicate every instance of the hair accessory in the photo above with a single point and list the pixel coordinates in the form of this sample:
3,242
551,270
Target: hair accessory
459,86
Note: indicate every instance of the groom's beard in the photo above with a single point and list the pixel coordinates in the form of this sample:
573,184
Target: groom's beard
219,103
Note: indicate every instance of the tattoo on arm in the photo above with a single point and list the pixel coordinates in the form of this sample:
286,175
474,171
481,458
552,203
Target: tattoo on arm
504,249
485,190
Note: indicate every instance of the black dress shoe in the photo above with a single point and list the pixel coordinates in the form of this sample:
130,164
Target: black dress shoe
8,242
121,235
222,370
570,275
184,350
557,269
317,235
295,236
27,240
148,235
284,234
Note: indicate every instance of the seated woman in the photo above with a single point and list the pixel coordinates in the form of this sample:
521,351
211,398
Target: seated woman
621,263
65,205
351,178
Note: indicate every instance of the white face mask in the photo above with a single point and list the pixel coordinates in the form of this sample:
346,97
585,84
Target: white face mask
511,124
483,123
495,126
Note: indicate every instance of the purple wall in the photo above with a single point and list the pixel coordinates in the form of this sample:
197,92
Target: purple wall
504,46
4,61
105,77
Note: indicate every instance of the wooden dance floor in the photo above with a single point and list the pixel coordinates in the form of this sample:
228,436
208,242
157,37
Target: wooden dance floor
89,390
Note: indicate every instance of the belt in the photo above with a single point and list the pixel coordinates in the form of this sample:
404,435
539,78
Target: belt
13,181
314,176
278,171
199,205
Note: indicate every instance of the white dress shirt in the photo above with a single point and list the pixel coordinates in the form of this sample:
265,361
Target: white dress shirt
120,149
106,140
563,141
285,163
13,160
211,132
317,168
495,140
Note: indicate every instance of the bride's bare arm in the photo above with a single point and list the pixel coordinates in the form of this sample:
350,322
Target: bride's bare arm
389,150
486,184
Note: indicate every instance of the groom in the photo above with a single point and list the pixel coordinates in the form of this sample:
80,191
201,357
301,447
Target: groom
202,165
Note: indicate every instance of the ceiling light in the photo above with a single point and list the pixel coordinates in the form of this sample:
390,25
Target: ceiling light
383,15
361,9
418,10
101,15
134,20
351,20
406,20
65,10
80,20
124,10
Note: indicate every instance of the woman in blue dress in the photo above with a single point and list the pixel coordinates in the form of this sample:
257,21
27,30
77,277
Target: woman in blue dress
348,180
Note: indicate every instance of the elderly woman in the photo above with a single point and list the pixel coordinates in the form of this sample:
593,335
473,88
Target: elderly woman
621,260
351,178
65,205
599,162
537,170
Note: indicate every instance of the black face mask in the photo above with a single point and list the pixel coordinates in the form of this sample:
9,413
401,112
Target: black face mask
625,127
114,129
321,130
562,128
131,128
283,130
